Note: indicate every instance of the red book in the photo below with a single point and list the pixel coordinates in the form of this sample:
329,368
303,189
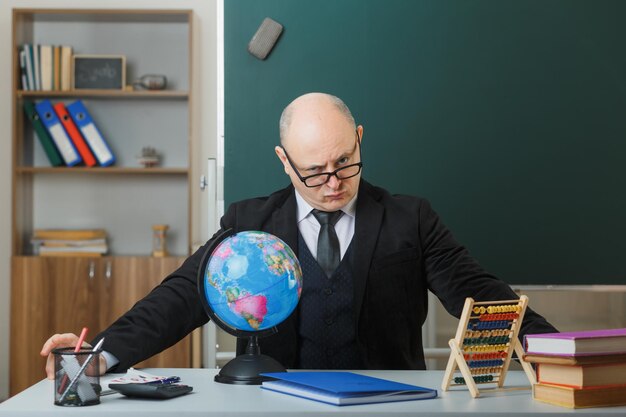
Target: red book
75,135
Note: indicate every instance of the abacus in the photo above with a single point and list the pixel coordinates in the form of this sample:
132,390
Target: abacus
484,344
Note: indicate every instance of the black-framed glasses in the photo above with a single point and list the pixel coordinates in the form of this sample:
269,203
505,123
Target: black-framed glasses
317,180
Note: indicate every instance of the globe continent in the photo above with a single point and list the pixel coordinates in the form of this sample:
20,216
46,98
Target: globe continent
253,281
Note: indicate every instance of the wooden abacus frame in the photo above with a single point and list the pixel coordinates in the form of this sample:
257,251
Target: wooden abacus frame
496,343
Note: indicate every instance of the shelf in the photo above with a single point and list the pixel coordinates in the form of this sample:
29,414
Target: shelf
102,170
126,199
105,15
163,94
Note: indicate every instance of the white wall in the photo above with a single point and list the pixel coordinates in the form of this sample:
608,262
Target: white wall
204,126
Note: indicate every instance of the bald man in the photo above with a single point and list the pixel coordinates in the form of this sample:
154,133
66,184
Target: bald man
364,313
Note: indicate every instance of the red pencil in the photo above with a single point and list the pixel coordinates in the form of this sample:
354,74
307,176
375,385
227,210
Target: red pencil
81,339
79,344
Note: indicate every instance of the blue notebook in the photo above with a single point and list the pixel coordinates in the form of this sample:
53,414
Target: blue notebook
344,388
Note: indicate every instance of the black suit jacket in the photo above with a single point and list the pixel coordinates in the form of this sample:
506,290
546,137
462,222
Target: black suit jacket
401,248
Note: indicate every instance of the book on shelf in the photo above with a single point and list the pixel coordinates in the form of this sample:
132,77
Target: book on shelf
69,242
580,397
591,342
56,60
90,132
30,72
46,64
63,143
69,234
45,250
36,66
71,254
23,74
42,134
66,67
45,67
344,388
75,135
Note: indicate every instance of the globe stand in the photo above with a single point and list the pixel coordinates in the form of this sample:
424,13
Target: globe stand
245,369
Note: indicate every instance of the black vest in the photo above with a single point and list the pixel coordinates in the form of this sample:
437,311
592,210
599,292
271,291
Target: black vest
326,328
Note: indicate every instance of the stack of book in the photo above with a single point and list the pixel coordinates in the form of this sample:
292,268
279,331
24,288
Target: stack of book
579,369
69,242
45,67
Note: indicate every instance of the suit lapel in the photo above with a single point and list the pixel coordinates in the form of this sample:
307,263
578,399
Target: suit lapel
369,215
284,222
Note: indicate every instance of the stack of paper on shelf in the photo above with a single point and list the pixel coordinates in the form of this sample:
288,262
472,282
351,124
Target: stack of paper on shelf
69,242
579,369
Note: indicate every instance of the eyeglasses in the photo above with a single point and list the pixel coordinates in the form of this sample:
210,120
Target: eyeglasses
320,179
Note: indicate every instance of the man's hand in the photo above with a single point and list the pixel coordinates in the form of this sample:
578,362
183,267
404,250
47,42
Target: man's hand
61,341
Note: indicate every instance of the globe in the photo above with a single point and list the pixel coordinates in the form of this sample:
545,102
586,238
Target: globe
249,282
252,282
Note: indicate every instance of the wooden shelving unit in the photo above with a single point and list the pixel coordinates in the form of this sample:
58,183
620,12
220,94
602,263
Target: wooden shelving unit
59,294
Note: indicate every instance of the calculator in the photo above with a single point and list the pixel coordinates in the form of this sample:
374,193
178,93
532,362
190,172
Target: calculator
156,391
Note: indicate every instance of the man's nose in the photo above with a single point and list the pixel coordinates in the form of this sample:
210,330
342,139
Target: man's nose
333,182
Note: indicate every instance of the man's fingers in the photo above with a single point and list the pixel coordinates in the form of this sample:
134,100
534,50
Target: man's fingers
57,341
50,367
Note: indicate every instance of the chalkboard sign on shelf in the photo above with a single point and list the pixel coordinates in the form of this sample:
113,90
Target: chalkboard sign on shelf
106,72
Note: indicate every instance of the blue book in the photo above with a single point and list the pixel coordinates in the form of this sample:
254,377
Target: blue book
92,135
61,139
344,388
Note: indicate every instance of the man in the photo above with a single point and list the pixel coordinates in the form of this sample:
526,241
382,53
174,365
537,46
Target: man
363,302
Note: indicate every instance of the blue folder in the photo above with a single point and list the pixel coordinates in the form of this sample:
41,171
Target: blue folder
61,139
344,388
92,135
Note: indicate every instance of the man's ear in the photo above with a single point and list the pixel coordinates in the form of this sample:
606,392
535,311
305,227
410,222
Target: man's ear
280,153
359,131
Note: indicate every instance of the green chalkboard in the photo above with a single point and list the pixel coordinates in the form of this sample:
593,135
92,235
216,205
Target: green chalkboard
509,116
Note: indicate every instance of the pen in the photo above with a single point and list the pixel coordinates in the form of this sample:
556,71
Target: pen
170,380
81,370
79,344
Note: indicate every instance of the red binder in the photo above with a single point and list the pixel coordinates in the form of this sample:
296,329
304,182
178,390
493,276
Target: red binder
75,135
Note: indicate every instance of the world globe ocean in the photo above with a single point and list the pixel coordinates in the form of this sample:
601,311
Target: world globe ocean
253,281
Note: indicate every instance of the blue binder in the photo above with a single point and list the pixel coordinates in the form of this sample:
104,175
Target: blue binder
60,137
344,388
90,132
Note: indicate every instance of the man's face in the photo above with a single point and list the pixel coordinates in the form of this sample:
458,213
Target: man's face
322,140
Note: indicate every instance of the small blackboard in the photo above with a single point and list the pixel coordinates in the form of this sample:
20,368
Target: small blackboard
101,72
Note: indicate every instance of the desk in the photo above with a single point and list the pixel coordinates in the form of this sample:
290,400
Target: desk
212,399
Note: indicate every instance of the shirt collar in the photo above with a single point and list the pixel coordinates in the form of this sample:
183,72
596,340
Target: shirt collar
304,208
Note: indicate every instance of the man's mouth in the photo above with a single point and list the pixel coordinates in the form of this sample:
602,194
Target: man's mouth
335,196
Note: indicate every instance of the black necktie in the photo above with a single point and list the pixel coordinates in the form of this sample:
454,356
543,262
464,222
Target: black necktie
328,254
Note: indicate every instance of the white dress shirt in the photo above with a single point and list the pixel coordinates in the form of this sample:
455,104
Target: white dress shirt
309,227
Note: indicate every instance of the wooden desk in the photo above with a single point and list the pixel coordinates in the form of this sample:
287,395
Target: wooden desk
212,399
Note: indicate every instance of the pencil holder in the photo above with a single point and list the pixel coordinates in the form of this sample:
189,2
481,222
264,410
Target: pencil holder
77,377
